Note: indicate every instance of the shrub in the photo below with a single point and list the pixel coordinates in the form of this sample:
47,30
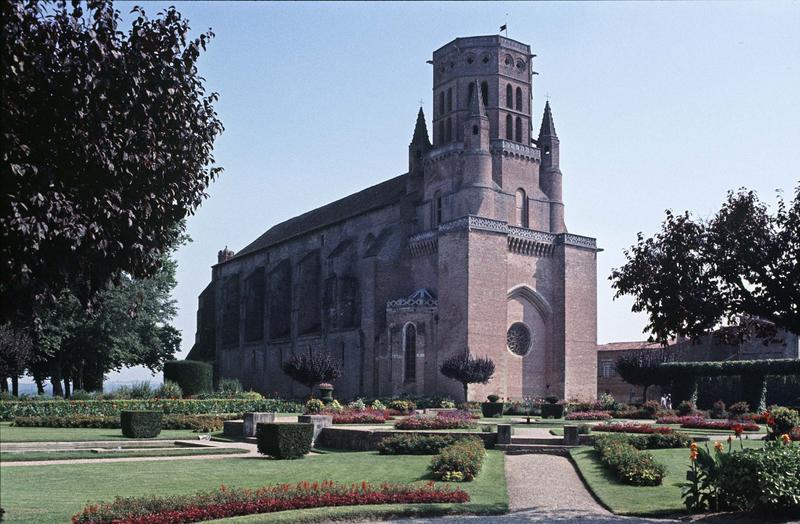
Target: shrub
493,398
402,406
416,444
633,428
634,414
607,402
80,394
231,502
686,407
313,367
661,441
357,404
670,419
454,420
229,387
314,405
467,370
377,405
41,408
198,423
447,404
192,376
783,420
763,480
491,409
629,464
141,424
651,407
552,410
284,441
464,457
588,415
584,429
169,389
738,409
718,410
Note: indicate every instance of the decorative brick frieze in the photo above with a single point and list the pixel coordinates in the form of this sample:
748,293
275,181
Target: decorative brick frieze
578,241
423,244
515,149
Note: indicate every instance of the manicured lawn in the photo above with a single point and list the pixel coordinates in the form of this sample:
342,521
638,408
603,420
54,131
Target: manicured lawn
67,488
640,500
9,433
28,456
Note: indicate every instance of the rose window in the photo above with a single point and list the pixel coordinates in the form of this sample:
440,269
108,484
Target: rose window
518,339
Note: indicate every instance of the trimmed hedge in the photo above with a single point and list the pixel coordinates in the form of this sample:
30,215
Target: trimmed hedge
658,441
552,410
200,423
416,444
284,440
141,424
491,409
460,461
192,376
630,465
112,408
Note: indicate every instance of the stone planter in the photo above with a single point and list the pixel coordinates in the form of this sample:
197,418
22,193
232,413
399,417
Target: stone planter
319,421
491,409
251,419
326,394
552,411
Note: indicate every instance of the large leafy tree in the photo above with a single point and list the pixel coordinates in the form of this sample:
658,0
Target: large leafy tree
468,370
640,367
16,352
313,367
128,326
107,143
737,269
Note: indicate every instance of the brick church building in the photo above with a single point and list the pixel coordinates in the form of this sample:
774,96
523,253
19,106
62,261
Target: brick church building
467,251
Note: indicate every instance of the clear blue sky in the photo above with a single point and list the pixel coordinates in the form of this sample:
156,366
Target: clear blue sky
657,105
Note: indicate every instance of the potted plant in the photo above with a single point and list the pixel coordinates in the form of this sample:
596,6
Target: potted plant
326,392
493,408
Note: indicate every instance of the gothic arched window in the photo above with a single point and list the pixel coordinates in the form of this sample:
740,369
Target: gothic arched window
509,97
519,99
485,93
441,103
522,208
449,130
449,99
509,128
519,130
436,217
410,351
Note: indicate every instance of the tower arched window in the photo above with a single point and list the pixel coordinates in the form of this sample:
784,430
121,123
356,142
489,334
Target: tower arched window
449,99
448,128
470,93
436,217
509,97
509,128
410,352
521,208
485,93
441,103
519,99
519,130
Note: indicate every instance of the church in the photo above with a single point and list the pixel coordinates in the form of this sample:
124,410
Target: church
467,251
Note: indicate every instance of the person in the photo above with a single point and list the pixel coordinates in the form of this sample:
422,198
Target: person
663,401
669,400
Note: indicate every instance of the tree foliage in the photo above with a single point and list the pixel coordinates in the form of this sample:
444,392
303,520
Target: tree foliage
697,275
106,147
641,367
468,370
16,351
312,368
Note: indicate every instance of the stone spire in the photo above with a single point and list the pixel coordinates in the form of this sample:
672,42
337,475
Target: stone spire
548,128
421,131
476,102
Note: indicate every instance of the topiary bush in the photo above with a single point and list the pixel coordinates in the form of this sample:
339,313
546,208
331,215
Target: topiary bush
630,465
284,440
192,376
738,409
783,421
140,424
169,389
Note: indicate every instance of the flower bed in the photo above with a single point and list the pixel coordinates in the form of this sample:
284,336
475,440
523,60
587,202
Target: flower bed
112,408
224,502
416,444
630,465
359,416
671,419
633,428
460,461
701,423
589,415
442,420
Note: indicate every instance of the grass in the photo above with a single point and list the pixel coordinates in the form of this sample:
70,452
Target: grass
68,488
9,433
28,456
650,501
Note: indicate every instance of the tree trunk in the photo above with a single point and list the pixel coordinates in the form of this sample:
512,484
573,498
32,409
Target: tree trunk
67,389
466,391
55,379
644,393
14,385
39,385
3,384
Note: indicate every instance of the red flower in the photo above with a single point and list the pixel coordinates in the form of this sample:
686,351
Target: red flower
738,429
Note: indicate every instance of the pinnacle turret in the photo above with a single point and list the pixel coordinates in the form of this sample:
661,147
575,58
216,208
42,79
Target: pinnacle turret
548,128
476,107
421,131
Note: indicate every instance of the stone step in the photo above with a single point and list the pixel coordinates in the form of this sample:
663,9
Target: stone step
531,449
542,441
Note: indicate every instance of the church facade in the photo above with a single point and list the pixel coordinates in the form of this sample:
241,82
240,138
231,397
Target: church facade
466,252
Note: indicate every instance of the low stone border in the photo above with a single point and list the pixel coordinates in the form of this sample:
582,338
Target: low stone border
367,440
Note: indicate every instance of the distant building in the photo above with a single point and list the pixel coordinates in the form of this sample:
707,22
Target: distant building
710,348
467,251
